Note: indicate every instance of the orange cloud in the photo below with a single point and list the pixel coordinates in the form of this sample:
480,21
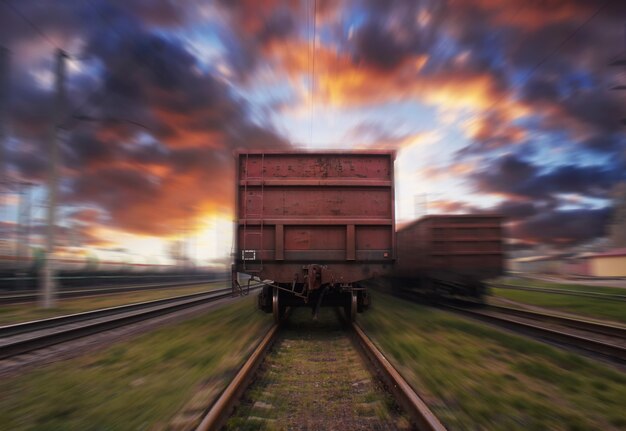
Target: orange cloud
530,15
343,82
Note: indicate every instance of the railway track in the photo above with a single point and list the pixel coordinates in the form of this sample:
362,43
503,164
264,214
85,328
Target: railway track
32,295
568,292
301,385
596,327
599,339
25,337
595,338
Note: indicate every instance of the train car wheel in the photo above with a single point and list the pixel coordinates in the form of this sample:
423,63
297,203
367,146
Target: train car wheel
351,307
277,310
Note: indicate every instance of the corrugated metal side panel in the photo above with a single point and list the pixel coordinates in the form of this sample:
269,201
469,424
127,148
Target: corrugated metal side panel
316,207
463,244
315,202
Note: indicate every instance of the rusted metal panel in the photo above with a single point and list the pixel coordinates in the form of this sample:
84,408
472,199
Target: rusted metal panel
373,238
321,238
315,208
316,182
319,166
315,202
317,221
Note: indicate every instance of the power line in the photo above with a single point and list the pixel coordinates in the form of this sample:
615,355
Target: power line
54,45
309,101
566,40
49,40
34,26
91,99
547,57
313,70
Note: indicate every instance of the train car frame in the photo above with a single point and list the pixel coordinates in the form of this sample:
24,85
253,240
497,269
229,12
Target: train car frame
312,225
450,255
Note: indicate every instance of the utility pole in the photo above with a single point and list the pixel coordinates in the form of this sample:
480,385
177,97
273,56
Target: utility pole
4,183
22,251
48,280
4,97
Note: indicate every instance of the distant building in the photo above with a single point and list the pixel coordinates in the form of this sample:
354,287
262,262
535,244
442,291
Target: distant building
608,264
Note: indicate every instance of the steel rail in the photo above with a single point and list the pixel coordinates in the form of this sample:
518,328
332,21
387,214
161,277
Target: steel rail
577,323
415,407
31,296
34,325
614,352
587,294
408,399
221,409
93,322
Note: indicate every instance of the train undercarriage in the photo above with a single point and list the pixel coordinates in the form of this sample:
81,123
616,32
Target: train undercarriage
443,285
313,286
276,298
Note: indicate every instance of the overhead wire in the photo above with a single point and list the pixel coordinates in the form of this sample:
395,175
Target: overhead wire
544,59
309,102
32,24
87,100
140,57
312,98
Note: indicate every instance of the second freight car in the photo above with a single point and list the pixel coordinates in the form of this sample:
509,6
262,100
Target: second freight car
450,254
312,225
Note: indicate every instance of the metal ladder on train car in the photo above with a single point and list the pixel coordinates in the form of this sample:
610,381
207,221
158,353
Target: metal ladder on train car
253,262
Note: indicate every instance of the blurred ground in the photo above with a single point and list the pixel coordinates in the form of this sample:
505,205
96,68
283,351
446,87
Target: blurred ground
137,384
30,311
474,376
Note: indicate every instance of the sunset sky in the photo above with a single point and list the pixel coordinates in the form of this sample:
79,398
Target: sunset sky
498,106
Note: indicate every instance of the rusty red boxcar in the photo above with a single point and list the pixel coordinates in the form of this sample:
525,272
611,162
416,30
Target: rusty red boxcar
314,224
450,254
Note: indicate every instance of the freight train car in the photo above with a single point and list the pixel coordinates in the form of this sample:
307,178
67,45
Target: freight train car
450,254
312,225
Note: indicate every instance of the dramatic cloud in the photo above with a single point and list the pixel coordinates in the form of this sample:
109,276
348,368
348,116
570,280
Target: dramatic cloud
160,93
534,197
157,150
563,227
379,136
517,178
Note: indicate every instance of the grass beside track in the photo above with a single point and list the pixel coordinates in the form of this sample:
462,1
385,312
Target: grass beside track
15,313
137,384
529,282
474,376
605,309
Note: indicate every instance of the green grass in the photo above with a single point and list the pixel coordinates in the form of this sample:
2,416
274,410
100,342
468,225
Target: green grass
477,377
528,282
23,312
590,307
137,384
